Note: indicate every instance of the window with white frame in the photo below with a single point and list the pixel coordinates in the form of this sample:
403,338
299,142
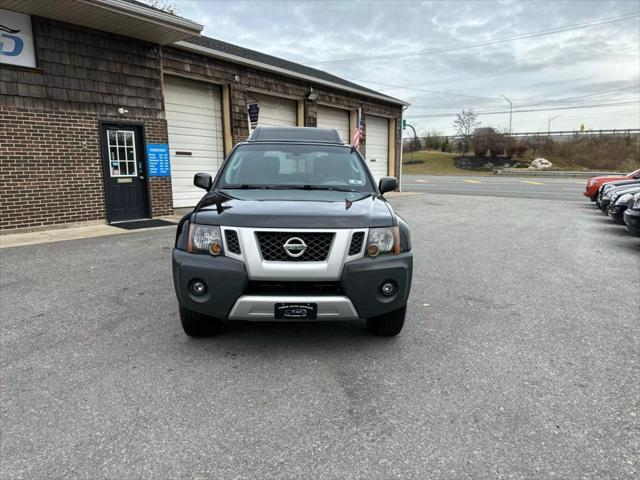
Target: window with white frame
122,153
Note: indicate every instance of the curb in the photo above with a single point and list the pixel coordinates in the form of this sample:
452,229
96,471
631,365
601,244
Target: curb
552,173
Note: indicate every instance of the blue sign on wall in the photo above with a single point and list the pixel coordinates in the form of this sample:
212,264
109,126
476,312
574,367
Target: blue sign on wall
158,160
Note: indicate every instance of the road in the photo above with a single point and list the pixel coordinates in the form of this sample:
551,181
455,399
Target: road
519,359
497,186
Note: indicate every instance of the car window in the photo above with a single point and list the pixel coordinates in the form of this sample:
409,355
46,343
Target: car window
296,165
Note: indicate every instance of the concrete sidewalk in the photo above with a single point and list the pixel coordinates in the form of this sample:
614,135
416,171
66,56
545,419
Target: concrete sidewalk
73,232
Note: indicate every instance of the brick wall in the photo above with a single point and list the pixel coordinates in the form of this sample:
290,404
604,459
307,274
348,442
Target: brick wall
50,157
51,168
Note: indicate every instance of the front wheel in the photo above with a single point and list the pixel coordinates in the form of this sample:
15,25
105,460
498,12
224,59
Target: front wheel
196,324
388,324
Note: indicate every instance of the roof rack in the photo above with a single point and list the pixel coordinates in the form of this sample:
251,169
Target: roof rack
295,134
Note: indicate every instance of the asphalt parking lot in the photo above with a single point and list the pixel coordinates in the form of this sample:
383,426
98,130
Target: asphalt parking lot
519,359
534,187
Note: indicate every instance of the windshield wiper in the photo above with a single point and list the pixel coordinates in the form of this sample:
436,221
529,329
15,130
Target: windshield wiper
246,187
323,187
287,187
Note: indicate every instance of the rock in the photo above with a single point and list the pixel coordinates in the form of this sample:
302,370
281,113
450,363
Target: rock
541,164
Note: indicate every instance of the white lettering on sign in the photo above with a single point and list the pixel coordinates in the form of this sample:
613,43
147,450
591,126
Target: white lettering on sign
16,39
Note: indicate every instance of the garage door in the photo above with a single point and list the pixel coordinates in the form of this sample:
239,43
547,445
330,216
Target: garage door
377,145
334,118
275,111
194,120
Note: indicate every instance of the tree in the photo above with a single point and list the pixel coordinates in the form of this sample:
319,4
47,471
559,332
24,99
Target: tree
464,125
432,140
164,5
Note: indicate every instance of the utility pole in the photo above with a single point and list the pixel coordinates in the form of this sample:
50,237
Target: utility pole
510,112
549,124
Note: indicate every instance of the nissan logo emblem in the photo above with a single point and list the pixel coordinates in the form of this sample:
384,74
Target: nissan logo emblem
295,247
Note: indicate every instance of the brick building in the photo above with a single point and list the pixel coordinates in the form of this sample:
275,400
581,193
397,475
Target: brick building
109,107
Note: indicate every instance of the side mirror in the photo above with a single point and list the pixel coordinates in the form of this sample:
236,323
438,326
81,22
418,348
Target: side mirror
202,180
387,184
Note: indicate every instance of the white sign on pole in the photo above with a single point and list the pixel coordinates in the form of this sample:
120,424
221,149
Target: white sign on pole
16,39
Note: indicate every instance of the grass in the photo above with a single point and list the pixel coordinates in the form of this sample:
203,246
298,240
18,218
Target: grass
434,163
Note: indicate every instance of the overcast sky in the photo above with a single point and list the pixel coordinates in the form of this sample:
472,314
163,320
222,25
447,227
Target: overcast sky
405,49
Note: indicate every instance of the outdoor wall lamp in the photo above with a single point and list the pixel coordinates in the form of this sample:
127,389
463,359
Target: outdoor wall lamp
313,96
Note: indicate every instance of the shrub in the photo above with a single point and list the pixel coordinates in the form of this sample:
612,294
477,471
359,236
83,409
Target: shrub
594,152
480,144
515,148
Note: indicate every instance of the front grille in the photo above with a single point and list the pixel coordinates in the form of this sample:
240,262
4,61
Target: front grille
356,243
233,244
272,246
293,288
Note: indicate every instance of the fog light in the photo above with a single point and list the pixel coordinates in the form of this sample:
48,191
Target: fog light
373,250
215,248
388,288
198,287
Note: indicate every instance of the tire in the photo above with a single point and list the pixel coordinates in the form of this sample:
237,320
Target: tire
196,324
387,325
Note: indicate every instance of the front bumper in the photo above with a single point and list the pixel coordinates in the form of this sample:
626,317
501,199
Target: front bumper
616,212
227,283
632,221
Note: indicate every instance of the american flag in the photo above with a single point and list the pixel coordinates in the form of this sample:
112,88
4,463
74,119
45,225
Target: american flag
357,134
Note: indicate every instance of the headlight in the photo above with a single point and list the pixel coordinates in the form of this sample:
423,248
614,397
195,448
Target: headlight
205,239
383,240
622,199
636,202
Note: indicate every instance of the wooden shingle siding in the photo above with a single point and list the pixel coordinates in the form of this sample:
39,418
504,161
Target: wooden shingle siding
86,71
213,70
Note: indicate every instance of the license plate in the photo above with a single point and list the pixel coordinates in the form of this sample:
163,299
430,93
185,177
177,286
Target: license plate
296,311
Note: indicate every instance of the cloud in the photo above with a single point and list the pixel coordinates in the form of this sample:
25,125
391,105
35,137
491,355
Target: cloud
572,63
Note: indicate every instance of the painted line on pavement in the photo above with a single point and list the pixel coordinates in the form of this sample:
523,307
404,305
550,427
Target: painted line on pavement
471,181
531,183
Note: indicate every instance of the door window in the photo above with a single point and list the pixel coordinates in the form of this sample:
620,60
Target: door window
122,153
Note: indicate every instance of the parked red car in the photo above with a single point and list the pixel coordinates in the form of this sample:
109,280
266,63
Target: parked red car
594,183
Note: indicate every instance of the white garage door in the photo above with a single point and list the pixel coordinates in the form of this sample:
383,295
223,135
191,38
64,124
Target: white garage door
377,145
275,111
194,120
334,118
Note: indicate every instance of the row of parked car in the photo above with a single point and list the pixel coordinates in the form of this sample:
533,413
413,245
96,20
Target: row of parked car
618,197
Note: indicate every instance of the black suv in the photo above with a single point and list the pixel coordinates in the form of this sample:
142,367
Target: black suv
292,228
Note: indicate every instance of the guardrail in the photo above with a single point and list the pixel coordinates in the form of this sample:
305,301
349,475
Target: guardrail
525,172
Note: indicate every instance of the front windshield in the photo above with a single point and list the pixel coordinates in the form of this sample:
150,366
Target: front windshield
295,166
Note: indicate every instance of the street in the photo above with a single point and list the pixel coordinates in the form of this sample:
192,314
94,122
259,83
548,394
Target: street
552,188
519,358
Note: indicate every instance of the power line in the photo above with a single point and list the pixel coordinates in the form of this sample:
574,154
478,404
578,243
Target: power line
439,115
546,102
462,46
424,90
586,119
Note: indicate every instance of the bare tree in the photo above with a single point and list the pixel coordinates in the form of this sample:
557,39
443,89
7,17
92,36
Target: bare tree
164,5
464,124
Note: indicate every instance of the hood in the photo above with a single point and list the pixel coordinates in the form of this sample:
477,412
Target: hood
294,209
607,178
